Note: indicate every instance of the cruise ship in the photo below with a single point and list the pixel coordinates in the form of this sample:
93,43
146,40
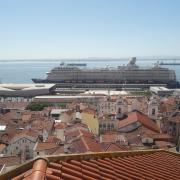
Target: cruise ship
127,74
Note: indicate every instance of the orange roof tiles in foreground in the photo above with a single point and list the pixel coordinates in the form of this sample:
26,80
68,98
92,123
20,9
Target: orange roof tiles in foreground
133,165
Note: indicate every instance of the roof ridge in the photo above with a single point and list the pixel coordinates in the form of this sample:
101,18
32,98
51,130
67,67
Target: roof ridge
86,145
39,169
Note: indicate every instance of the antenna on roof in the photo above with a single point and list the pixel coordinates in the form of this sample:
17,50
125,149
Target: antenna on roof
109,94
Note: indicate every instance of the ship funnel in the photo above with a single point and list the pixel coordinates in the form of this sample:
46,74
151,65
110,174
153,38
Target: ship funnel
132,61
62,64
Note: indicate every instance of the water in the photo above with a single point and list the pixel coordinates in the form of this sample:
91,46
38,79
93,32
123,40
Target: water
19,71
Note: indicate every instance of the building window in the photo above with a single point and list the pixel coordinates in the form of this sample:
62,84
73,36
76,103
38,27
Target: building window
119,110
37,153
112,126
153,111
108,127
27,148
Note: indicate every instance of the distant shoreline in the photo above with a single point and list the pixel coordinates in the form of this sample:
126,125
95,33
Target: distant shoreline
91,59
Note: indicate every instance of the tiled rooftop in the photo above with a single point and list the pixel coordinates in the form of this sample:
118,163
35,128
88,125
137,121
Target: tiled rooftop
45,146
16,105
61,125
10,160
27,132
140,117
53,139
85,144
134,165
77,133
175,117
112,137
107,147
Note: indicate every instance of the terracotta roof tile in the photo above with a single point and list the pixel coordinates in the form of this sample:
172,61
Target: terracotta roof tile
175,117
164,144
53,139
112,138
85,144
26,116
107,147
159,137
45,146
132,117
139,165
69,135
42,123
73,127
10,160
28,132
15,105
137,116
170,100
60,150
61,125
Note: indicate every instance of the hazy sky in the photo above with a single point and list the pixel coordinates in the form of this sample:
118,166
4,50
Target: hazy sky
89,28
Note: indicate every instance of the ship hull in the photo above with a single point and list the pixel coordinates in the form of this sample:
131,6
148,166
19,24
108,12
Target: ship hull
73,83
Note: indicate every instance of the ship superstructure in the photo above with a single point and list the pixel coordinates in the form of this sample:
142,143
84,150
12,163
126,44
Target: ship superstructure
131,73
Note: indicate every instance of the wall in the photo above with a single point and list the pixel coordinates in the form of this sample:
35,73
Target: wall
91,121
59,133
19,145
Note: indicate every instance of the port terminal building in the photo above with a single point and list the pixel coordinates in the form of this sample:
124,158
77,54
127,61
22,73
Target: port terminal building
161,91
20,92
69,99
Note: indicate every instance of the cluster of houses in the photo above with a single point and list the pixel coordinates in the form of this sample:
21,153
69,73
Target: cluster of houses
115,123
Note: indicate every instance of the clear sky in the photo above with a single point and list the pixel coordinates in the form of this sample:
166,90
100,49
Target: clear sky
89,28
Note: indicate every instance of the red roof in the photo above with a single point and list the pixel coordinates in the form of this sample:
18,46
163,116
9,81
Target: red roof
159,137
61,125
69,135
53,139
137,165
10,160
107,147
175,117
112,137
41,146
85,144
137,116
28,132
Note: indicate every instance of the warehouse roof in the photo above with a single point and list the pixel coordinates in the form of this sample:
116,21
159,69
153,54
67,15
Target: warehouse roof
58,111
22,87
66,97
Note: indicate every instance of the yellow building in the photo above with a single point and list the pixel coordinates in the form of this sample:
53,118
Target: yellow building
89,117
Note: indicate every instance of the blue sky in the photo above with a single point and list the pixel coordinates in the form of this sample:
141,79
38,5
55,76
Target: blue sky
89,28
